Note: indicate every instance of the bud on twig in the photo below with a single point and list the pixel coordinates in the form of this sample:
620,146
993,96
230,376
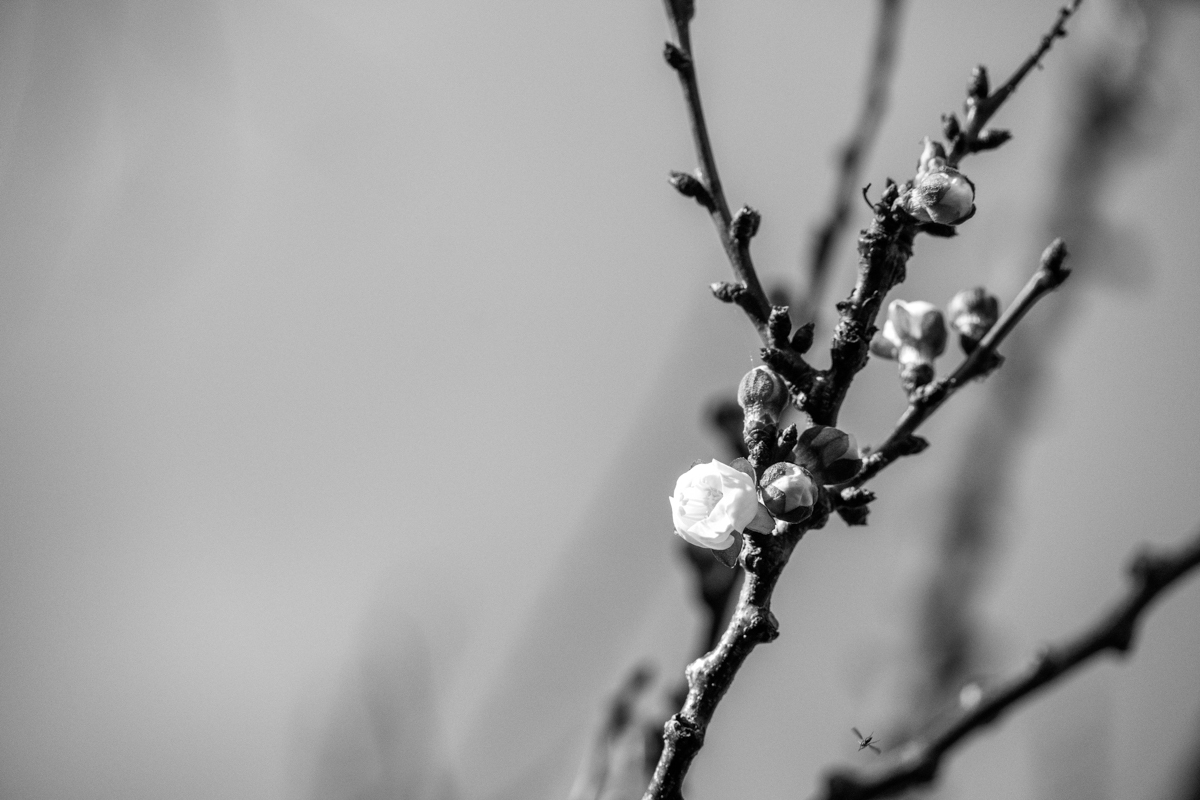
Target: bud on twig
780,325
691,186
788,491
802,339
977,87
950,127
1052,262
763,395
990,139
939,192
676,58
727,292
972,313
744,225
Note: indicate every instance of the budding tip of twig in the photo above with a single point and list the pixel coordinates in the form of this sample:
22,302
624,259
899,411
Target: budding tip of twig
1052,261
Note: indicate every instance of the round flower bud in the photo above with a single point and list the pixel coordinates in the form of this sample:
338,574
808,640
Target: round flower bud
972,313
829,454
763,395
789,491
711,502
939,192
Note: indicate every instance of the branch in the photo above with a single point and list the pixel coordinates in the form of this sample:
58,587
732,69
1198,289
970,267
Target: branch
853,154
981,105
1151,573
1049,275
709,677
884,249
594,771
886,245
735,240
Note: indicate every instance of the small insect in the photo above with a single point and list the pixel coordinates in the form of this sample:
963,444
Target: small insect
865,741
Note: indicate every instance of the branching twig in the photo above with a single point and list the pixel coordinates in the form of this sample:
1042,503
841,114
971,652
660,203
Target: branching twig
981,105
709,193
1049,275
853,154
1151,573
886,246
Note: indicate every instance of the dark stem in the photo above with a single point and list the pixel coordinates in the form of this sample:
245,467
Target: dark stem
981,109
853,154
679,56
710,676
1049,275
1151,572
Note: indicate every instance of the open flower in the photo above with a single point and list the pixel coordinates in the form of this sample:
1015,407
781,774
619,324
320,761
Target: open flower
939,192
789,491
713,501
914,335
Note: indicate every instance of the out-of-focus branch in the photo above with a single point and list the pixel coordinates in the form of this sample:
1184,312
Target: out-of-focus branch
594,772
1151,572
853,154
981,105
1049,275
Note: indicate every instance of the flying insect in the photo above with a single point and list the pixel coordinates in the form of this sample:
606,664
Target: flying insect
866,741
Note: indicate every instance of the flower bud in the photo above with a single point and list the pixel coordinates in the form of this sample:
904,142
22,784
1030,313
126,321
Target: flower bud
789,491
914,335
830,454
972,313
977,87
763,395
939,193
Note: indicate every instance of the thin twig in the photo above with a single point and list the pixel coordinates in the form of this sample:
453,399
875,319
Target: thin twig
981,106
1049,275
1151,572
853,154
736,243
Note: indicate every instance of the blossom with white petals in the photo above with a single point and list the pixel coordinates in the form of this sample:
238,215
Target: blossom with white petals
711,502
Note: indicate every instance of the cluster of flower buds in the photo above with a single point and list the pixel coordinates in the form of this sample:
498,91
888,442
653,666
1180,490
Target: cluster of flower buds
939,193
714,503
913,335
972,313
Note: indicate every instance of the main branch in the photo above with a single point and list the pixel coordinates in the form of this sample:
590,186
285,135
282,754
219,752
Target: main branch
1151,572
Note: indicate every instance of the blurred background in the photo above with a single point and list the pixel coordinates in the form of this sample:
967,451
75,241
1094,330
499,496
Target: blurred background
350,351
